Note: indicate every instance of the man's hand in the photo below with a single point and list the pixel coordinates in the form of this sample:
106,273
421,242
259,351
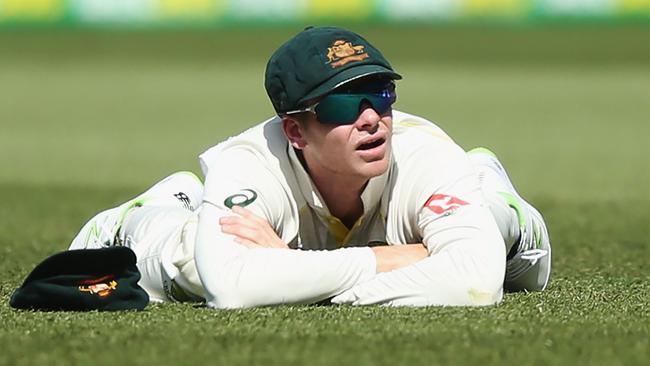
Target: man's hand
392,257
250,230
253,231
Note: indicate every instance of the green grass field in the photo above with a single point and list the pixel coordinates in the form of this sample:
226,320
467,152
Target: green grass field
89,119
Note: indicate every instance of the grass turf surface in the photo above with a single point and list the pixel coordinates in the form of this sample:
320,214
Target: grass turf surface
89,119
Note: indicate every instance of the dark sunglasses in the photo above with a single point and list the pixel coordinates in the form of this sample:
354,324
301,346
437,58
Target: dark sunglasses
344,106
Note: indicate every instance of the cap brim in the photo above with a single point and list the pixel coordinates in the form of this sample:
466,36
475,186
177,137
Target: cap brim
84,261
348,75
62,282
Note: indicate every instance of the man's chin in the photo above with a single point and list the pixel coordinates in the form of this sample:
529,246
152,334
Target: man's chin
375,168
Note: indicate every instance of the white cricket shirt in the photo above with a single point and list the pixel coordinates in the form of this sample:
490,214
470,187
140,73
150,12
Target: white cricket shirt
430,194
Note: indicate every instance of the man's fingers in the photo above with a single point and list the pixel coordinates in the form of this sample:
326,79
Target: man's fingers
229,220
238,221
240,231
251,229
251,237
245,213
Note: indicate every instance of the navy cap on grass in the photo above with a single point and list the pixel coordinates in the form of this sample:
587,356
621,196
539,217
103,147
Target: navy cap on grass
318,60
81,280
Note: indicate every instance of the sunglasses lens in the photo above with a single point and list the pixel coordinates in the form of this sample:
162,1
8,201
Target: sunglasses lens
381,103
344,109
338,109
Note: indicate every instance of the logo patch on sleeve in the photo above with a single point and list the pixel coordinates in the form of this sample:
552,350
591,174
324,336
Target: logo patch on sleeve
442,203
242,199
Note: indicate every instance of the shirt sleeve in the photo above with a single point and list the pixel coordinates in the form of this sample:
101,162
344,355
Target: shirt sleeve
466,262
236,277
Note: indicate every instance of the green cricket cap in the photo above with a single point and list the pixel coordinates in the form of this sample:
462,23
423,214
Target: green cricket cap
103,279
317,61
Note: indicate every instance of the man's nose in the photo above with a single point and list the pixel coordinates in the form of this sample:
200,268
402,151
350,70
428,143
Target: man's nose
368,117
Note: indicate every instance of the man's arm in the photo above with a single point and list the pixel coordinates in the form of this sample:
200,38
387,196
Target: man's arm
467,271
445,204
392,257
457,276
237,277
253,231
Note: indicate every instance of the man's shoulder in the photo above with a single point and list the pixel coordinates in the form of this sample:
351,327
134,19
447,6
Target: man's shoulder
253,164
424,156
263,142
413,134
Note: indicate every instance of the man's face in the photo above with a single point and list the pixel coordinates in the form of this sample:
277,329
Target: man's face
360,149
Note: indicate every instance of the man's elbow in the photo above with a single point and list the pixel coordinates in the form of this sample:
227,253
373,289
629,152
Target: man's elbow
231,298
236,289
484,294
484,285
222,303
227,290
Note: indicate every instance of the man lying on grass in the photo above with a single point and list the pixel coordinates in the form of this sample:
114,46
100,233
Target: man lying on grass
336,197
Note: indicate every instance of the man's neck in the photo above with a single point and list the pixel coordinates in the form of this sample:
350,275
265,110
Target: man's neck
341,193
342,197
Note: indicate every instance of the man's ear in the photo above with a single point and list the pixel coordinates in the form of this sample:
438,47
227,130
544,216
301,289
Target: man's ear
294,131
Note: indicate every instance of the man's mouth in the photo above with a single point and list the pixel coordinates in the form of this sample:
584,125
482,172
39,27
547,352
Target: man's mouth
371,145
